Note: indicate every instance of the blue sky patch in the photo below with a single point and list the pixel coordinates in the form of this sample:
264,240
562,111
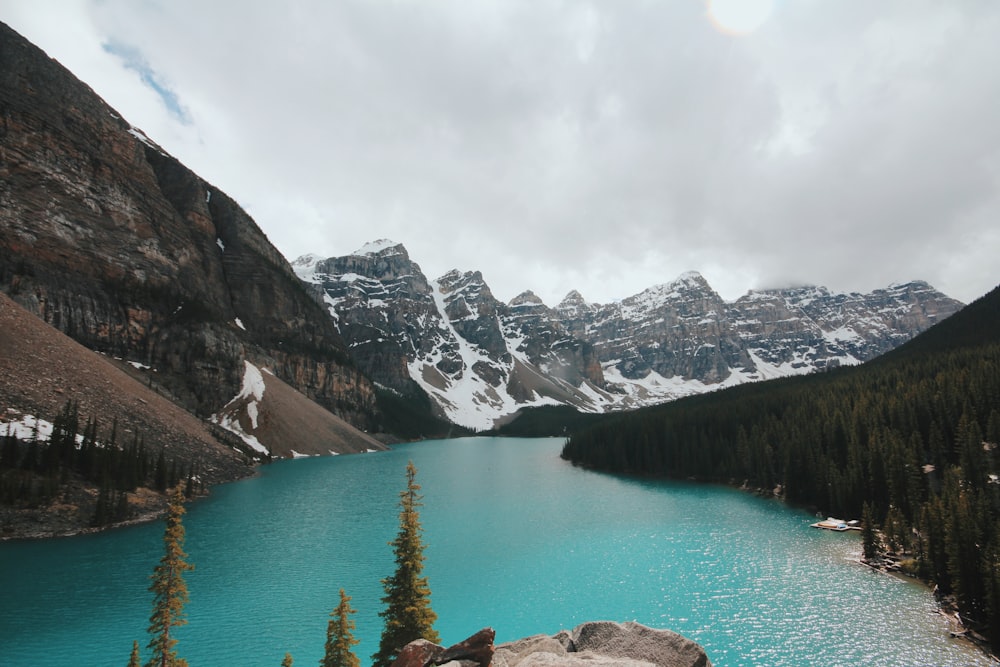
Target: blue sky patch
134,60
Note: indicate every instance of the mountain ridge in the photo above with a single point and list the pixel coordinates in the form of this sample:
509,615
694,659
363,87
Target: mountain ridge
482,360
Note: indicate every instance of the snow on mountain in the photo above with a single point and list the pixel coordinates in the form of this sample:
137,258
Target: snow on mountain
305,267
481,360
378,247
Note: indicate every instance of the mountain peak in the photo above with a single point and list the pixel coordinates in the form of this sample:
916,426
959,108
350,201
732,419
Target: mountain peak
305,266
572,300
526,298
383,247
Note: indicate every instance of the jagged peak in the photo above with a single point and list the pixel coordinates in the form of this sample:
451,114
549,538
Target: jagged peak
457,276
305,266
572,300
381,247
309,259
526,298
691,277
686,282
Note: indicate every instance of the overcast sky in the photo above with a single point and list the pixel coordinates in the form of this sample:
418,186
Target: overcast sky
602,146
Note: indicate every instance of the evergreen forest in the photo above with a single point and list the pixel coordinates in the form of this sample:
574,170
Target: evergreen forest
35,472
908,442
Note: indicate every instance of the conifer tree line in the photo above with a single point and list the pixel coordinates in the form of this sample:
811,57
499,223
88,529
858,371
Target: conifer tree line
907,442
34,472
408,615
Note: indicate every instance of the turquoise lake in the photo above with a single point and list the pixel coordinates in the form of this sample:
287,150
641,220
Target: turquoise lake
517,539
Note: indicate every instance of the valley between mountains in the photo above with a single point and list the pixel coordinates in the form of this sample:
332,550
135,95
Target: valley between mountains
167,288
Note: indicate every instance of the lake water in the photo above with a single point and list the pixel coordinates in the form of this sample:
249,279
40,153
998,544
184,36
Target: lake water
516,539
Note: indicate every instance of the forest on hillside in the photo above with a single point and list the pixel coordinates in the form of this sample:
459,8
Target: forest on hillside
908,442
36,471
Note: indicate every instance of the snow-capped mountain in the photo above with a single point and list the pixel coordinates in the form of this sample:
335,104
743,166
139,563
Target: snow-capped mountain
481,360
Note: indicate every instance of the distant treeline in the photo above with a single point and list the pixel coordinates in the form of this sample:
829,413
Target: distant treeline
908,441
35,472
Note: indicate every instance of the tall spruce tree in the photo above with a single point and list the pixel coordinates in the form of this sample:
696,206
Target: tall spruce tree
408,614
339,636
169,589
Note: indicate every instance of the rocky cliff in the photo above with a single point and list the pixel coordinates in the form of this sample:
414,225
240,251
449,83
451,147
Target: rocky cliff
476,357
117,244
481,360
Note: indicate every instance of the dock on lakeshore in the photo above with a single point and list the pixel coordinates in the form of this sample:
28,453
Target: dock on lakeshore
838,525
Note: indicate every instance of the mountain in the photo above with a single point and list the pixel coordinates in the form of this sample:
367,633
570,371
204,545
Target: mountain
115,243
481,360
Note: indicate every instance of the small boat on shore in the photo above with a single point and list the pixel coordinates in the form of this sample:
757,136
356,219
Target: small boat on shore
838,525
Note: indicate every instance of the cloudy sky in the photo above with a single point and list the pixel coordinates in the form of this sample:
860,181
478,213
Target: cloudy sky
604,145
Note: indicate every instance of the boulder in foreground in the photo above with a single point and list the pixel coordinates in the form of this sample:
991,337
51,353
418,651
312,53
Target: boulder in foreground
591,644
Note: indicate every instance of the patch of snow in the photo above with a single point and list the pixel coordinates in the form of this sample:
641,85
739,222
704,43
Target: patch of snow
233,426
252,389
239,323
296,455
252,413
24,428
222,246
253,383
376,248
141,136
139,366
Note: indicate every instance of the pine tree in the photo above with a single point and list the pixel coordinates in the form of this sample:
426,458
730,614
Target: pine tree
870,546
169,589
408,614
134,660
339,637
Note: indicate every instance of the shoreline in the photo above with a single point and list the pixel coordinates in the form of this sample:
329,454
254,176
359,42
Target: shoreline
62,520
946,606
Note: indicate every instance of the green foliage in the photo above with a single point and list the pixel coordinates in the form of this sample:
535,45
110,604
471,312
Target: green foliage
339,636
169,589
871,548
408,615
33,473
909,440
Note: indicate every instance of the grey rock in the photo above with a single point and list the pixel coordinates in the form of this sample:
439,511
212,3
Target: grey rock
603,643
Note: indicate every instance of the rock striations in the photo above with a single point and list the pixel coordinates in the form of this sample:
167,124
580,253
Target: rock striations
115,243
482,360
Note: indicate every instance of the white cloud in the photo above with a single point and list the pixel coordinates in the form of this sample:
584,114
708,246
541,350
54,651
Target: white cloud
593,146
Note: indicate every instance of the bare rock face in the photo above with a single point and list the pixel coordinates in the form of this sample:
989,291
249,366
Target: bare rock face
604,643
117,244
476,651
449,336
